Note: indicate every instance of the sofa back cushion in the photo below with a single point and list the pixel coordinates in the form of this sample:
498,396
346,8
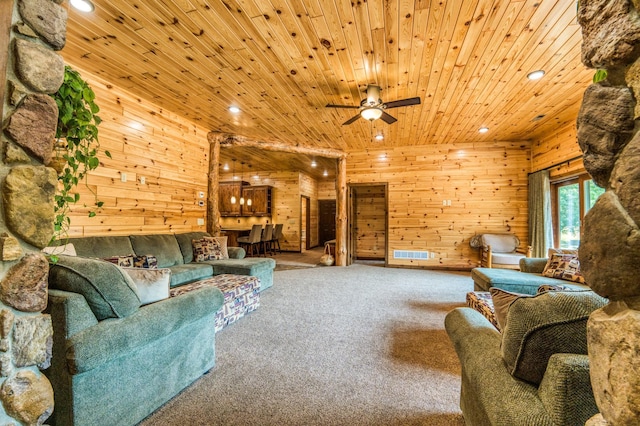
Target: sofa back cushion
109,292
102,247
540,326
185,243
163,246
501,243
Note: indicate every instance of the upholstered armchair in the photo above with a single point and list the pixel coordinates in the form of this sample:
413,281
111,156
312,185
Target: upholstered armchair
501,251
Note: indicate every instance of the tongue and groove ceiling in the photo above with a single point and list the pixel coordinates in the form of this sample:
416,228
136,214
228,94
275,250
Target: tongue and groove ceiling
282,61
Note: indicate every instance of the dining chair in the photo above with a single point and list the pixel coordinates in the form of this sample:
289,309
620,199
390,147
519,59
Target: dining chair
275,240
253,241
267,235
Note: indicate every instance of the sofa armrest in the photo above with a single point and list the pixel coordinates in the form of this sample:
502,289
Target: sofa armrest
236,252
112,338
566,383
70,312
533,265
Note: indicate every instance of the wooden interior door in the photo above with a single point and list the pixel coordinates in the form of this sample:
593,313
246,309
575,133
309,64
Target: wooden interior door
326,221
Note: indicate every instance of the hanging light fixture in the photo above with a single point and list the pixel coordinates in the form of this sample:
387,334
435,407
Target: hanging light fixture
248,198
233,197
241,179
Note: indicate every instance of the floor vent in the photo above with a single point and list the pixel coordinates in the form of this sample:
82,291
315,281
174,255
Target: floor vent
410,254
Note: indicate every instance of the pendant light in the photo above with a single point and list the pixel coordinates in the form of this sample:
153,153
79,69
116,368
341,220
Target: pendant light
241,179
249,202
233,172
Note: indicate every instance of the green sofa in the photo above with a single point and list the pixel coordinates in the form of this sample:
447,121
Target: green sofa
536,373
525,281
114,361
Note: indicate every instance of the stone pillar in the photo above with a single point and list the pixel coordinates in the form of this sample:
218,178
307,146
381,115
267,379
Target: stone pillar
34,70
609,136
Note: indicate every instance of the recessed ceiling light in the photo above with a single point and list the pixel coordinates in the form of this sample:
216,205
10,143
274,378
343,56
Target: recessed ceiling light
325,173
313,163
83,5
379,137
225,167
234,109
535,75
483,129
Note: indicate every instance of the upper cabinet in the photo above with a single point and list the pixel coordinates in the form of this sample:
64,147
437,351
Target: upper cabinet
227,190
260,197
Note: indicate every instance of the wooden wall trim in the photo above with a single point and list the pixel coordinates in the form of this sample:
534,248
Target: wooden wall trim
6,13
240,141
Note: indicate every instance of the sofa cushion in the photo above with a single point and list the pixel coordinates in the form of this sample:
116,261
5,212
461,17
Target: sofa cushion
185,243
109,291
247,266
101,247
183,274
565,267
540,326
502,299
163,246
510,280
152,285
64,249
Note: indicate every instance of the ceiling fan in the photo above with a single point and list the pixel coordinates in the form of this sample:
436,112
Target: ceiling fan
373,108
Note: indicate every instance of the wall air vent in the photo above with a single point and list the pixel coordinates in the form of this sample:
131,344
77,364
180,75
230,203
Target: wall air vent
410,254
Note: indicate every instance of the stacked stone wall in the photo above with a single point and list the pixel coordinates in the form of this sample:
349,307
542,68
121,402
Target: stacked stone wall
35,70
609,136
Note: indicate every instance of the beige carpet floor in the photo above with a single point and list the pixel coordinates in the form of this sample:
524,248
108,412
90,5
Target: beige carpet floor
357,345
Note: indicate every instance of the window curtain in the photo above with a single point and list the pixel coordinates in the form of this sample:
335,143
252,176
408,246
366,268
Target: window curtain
540,226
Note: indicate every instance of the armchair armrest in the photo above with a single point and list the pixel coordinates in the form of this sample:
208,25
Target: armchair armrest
70,312
533,265
236,252
566,383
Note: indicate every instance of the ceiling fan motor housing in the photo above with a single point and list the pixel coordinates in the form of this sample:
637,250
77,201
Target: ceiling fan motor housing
373,96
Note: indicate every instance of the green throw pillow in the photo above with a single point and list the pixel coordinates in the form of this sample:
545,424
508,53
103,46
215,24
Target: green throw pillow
545,324
109,291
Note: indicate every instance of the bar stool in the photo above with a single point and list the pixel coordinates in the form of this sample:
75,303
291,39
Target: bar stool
277,233
267,235
252,242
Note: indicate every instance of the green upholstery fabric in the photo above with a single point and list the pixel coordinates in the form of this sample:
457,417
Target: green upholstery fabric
236,252
131,366
540,326
491,396
567,384
183,274
514,281
163,246
185,243
533,265
108,340
254,266
102,247
109,292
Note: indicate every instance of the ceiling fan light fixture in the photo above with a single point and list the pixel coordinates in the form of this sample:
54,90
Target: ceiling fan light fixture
371,114
83,5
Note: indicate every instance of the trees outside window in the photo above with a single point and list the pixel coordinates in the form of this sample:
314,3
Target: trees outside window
571,200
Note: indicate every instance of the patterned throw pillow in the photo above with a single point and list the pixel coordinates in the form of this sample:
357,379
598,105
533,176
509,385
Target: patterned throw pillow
564,267
123,261
152,285
209,248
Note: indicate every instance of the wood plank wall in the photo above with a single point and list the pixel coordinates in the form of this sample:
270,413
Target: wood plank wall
560,146
370,207
309,188
485,181
327,189
147,141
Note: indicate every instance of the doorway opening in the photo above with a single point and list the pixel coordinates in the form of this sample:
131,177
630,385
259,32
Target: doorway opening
367,210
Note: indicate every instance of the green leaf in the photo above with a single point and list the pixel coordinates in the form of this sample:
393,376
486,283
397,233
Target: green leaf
92,214
599,76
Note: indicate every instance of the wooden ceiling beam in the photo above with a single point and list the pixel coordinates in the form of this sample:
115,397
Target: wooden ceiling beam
229,140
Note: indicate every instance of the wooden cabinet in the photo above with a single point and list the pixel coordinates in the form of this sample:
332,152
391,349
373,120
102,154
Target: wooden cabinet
226,190
260,199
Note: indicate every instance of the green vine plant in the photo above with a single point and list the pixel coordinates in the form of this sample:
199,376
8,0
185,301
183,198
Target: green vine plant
77,146
600,75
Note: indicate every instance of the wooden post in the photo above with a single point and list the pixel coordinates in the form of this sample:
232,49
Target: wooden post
213,210
341,212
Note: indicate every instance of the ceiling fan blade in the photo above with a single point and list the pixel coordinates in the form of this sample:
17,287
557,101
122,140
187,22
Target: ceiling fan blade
387,118
341,106
402,102
351,120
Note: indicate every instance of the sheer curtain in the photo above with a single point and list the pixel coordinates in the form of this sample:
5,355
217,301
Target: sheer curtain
540,226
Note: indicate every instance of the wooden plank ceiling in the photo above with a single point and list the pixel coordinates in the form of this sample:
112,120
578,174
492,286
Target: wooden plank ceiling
282,61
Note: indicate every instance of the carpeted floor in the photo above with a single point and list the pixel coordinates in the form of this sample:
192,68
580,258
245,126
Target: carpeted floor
357,345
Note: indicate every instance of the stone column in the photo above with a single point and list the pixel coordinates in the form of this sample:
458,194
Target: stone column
34,70
610,244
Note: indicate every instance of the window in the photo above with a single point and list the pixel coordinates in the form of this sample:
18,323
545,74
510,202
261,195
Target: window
571,200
